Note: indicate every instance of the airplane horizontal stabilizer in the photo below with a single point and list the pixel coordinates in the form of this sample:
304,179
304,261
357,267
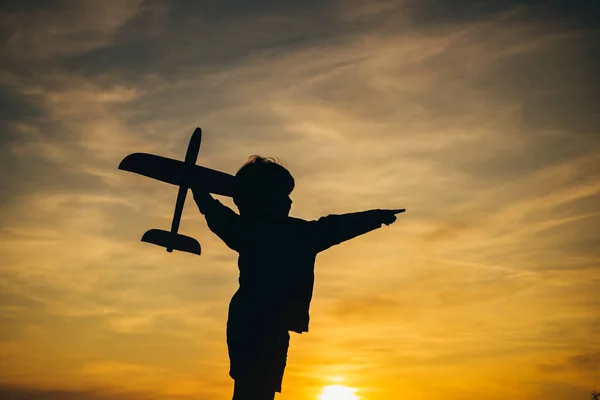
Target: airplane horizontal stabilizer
172,241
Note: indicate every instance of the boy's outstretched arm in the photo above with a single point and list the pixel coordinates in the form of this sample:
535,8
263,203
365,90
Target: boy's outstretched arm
222,220
334,229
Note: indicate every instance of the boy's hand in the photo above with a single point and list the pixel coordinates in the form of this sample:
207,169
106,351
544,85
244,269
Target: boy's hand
389,216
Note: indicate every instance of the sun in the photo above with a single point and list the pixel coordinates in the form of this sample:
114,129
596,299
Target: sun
338,392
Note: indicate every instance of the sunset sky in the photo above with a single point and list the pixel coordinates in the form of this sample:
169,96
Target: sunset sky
481,118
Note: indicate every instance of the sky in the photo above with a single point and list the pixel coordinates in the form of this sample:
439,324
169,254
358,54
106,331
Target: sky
479,117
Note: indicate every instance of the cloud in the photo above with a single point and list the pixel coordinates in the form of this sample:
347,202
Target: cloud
19,393
584,362
560,391
40,33
166,37
478,118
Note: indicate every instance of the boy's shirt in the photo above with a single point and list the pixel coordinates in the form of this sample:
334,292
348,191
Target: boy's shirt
277,259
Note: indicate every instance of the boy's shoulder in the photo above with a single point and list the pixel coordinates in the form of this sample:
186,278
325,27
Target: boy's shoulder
299,223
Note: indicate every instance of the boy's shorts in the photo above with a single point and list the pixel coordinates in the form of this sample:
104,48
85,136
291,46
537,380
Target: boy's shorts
257,354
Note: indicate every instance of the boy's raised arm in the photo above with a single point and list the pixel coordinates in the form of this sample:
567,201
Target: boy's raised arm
334,229
222,220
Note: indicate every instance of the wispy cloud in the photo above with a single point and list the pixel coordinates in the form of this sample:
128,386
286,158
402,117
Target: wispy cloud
479,119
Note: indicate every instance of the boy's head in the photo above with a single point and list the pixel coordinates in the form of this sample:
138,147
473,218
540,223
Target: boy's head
262,188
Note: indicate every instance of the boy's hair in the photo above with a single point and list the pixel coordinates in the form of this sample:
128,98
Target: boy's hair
258,179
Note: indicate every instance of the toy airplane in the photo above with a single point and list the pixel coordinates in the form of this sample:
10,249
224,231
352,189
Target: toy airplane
184,174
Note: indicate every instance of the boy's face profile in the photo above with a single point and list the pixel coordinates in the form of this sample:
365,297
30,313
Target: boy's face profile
263,188
278,205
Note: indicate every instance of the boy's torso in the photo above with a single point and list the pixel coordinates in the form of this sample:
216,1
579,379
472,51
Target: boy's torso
276,264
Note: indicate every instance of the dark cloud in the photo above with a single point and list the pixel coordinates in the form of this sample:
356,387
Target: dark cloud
16,313
24,393
34,5
584,363
174,38
560,391
435,13
27,132
17,107
22,176
551,88
438,13
553,83
239,8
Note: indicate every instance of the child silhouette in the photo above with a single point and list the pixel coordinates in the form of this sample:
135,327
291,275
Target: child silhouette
276,262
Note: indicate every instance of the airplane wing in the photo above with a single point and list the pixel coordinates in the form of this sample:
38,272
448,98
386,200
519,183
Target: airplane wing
178,173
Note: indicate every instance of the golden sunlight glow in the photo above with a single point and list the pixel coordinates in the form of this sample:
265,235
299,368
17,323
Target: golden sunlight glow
479,123
337,392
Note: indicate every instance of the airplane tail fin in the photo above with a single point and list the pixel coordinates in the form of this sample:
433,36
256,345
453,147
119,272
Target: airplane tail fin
172,241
